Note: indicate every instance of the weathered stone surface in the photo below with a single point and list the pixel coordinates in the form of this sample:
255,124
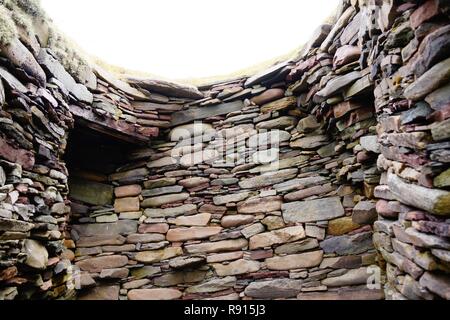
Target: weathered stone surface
364,213
235,197
236,220
295,261
91,192
154,294
101,293
433,200
127,205
273,222
337,84
55,69
187,262
441,130
439,99
97,264
15,225
155,202
19,55
118,84
345,245
128,191
118,273
278,123
344,294
236,267
213,285
432,49
340,226
193,182
154,228
198,220
162,191
179,277
219,246
144,272
94,241
122,227
193,233
278,105
350,278
260,205
187,131
298,246
268,96
145,238
370,143
308,192
193,113
171,212
429,81
158,255
442,180
265,74
345,55
36,254
267,179
310,142
167,88
436,283
274,289
313,210
280,236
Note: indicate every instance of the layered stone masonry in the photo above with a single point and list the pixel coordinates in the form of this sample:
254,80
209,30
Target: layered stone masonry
298,182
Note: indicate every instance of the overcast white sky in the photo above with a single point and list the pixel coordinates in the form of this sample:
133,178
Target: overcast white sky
188,38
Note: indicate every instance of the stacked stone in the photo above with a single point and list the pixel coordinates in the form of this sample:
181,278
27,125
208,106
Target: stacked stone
412,100
257,191
40,101
257,188
34,121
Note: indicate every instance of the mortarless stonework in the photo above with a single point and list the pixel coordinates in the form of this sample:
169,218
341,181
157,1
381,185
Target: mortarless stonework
296,183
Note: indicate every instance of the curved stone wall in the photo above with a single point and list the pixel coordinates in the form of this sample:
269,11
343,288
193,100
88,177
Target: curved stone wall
298,182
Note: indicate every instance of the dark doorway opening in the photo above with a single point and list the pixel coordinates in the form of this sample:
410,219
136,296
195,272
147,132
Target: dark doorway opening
91,157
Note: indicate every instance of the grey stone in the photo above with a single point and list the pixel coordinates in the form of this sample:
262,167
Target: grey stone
313,210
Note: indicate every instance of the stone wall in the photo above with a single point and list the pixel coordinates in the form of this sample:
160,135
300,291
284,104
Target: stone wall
298,182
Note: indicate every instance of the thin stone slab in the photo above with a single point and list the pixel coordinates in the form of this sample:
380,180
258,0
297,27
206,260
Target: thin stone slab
195,113
313,210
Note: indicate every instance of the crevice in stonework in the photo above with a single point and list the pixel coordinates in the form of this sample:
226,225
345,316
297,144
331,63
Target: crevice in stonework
325,177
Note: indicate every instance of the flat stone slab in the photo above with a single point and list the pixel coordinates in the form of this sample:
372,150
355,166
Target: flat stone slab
106,229
195,113
313,210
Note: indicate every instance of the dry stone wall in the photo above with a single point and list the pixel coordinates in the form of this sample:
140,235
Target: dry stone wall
324,177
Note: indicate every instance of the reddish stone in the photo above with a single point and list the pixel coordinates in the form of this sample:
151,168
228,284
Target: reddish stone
441,115
268,96
154,228
425,12
261,254
415,216
441,229
343,108
128,191
384,211
8,273
23,157
345,55
210,208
